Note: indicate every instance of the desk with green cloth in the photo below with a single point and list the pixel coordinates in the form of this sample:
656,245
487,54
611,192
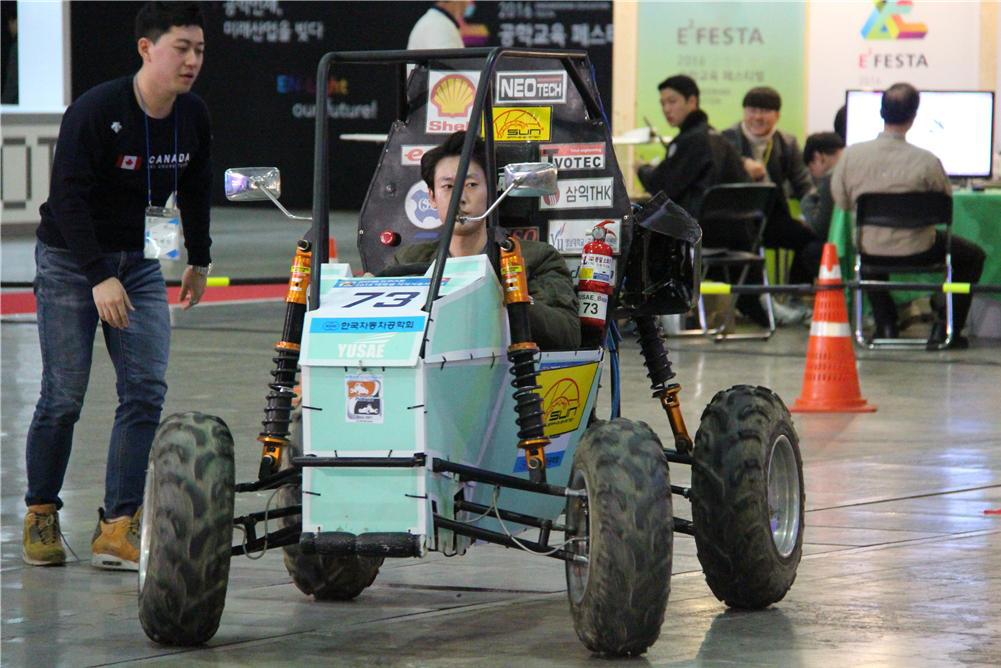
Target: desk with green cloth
976,216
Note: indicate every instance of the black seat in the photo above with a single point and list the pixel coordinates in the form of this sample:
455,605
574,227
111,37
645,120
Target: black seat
913,210
733,219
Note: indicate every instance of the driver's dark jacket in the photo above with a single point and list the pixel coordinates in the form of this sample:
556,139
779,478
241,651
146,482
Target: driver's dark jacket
553,315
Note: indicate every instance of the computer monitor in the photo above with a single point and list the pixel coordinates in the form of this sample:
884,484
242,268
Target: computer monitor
957,126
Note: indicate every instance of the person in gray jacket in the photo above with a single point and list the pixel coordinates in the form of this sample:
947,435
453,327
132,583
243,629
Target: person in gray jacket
773,156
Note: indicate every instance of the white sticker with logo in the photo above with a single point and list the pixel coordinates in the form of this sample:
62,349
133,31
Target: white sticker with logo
569,236
549,87
410,155
450,100
580,194
574,157
418,207
364,398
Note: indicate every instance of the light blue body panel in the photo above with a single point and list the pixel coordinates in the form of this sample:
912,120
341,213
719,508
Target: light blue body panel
456,403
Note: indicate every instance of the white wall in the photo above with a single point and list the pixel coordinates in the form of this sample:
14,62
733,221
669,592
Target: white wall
30,128
43,57
840,57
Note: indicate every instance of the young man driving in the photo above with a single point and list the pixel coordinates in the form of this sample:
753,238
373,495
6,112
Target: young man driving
553,314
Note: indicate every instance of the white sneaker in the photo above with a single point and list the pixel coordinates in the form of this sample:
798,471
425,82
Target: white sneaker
784,314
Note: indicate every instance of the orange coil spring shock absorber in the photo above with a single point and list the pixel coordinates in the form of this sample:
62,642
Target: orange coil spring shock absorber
277,412
522,353
660,373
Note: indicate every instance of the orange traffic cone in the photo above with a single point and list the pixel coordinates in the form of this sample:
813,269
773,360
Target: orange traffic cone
830,380
332,251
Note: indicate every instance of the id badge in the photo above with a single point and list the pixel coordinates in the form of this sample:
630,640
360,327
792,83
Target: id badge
163,233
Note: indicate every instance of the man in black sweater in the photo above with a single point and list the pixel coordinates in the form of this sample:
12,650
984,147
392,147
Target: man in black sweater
125,147
698,157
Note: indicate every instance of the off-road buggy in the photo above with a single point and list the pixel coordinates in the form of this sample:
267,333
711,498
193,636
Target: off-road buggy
429,420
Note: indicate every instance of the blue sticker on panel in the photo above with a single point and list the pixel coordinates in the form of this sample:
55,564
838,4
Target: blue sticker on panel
361,325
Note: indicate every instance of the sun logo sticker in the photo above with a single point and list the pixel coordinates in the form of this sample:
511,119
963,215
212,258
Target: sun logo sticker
561,407
453,96
522,123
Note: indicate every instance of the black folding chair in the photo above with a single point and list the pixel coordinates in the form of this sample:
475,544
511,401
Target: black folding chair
911,210
733,219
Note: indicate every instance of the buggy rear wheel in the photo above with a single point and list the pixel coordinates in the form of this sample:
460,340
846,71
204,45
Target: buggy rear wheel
187,529
325,577
621,526
748,497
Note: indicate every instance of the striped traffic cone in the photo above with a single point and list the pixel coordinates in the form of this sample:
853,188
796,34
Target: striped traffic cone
830,380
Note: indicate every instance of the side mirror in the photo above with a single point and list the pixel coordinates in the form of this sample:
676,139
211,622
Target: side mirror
246,184
530,179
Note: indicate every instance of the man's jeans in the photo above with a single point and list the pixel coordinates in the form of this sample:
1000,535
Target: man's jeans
67,322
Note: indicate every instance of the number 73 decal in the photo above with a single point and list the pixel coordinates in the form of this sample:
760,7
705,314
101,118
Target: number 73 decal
382,299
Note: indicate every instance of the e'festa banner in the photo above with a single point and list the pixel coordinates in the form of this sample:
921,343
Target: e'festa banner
876,44
727,47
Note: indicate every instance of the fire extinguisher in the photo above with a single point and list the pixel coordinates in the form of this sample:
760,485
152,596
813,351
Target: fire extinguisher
596,278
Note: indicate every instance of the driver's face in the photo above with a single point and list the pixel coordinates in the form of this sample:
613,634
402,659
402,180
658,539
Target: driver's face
474,195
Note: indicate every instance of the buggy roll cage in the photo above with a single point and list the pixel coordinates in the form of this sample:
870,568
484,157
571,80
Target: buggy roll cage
483,102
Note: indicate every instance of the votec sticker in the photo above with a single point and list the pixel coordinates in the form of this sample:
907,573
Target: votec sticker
364,398
574,157
419,209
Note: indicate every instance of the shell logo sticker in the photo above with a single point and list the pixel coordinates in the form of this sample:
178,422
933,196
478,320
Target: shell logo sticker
450,100
522,123
453,95
564,393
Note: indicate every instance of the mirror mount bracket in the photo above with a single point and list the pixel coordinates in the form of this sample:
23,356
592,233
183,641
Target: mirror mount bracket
258,183
473,219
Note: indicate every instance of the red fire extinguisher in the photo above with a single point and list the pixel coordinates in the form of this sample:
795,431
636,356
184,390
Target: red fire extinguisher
596,278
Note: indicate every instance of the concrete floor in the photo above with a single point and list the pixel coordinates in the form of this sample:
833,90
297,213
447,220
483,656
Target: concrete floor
901,566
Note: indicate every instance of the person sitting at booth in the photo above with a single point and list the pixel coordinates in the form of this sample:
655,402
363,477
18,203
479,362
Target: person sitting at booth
772,156
769,155
888,164
697,158
553,315
821,153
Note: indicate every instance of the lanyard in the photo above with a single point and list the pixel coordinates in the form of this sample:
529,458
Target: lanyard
149,153
768,150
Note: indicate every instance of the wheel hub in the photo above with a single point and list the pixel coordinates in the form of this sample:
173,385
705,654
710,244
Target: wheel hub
783,496
578,523
146,526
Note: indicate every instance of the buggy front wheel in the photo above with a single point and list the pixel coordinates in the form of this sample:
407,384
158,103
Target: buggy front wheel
747,497
187,529
620,529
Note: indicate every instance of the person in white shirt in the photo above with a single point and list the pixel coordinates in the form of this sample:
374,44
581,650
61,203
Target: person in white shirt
439,27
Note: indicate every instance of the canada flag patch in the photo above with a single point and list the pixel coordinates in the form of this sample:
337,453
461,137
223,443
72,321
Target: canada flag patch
130,162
